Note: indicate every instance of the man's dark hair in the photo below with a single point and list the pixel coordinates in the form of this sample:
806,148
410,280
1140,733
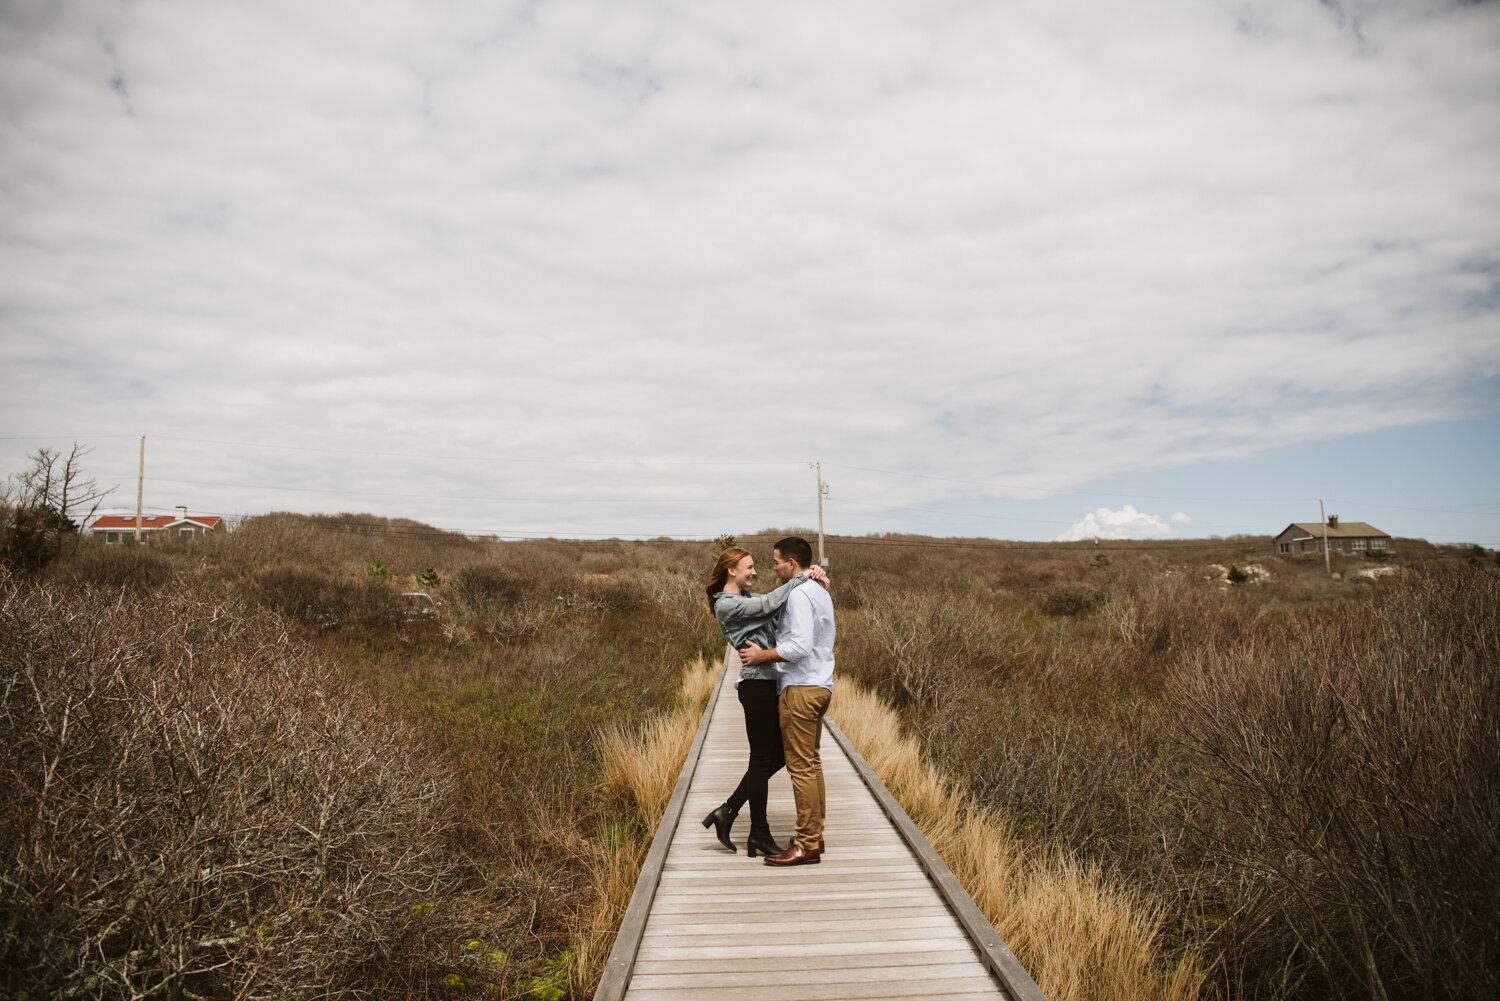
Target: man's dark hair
794,547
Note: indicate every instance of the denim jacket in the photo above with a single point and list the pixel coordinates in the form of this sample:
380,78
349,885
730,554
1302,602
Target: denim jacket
744,618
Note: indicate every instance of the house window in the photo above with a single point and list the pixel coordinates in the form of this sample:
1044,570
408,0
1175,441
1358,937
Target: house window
1379,543
1358,543
111,537
1286,547
184,531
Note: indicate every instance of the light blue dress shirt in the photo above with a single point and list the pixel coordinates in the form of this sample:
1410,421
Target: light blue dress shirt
804,640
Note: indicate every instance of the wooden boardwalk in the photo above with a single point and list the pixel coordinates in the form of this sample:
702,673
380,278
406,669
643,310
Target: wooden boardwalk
874,919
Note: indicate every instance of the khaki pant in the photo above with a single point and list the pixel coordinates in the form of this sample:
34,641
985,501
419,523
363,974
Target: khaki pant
802,710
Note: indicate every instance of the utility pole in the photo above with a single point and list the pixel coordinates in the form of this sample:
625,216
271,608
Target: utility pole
1327,566
140,483
822,492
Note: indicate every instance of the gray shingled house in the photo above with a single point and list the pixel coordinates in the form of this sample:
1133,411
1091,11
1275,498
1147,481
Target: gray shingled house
1354,537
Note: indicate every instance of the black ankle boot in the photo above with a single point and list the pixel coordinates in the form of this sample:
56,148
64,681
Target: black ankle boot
721,820
760,842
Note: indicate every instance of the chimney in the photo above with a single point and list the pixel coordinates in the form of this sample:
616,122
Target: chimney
1333,519
182,513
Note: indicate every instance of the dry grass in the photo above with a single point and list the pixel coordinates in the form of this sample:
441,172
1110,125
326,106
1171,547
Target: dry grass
615,865
697,683
1080,936
642,768
636,764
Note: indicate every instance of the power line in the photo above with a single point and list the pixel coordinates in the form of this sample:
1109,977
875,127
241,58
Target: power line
384,495
475,457
1426,510
953,514
64,437
1068,491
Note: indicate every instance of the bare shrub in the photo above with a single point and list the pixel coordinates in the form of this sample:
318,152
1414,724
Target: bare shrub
599,592
44,508
1168,614
343,544
1034,574
680,593
274,538
115,567
519,622
854,591
322,599
1307,588
1354,766
667,587
606,593
924,644
487,588
406,530
1092,782
194,806
1069,599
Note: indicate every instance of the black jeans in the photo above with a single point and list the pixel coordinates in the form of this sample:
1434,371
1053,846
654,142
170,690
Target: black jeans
763,727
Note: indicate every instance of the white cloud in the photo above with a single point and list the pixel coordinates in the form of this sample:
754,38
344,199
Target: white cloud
1024,245
1126,523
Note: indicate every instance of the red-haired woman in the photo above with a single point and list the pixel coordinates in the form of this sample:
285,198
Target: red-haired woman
744,617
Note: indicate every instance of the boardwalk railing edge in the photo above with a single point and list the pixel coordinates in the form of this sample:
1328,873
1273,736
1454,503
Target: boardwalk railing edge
621,962
992,948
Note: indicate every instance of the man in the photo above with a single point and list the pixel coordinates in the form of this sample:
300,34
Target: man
803,656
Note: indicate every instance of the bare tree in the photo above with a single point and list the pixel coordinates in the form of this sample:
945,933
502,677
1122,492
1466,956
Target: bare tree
44,508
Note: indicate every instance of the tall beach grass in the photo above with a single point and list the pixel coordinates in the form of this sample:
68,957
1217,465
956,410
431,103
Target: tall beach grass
1080,936
640,768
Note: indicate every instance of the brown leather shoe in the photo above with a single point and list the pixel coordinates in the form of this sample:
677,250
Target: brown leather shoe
796,855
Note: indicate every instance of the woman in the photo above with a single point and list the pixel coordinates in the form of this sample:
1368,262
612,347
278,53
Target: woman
744,617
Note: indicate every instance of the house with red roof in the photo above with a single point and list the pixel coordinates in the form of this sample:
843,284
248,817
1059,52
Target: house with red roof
115,528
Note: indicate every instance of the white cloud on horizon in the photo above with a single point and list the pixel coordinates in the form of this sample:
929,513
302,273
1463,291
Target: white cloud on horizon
1025,247
1126,523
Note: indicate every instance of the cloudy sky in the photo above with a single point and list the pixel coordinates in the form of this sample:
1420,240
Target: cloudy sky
1025,270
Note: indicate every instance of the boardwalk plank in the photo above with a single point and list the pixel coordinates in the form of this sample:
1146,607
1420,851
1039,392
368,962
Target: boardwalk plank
824,975
816,990
750,962
793,930
751,917
792,955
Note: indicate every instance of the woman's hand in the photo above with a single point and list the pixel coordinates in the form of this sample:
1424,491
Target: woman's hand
820,575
